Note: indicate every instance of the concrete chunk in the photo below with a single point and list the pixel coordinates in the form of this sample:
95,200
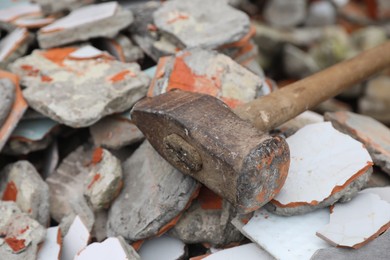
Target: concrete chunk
7,98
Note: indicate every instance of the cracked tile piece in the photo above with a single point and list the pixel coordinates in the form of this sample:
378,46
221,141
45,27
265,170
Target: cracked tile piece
20,234
104,180
376,249
54,6
153,196
248,252
357,222
207,221
382,192
163,248
326,166
20,182
374,135
201,23
7,98
51,247
66,187
99,20
19,10
18,108
115,132
206,72
286,237
75,240
13,46
111,248
78,92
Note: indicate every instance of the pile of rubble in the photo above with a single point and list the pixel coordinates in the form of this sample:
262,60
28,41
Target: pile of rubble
79,180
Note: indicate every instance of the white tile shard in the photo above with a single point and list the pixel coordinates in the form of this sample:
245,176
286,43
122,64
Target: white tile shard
287,237
382,192
162,248
16,11
323,162
51,247
12,42
248,252
357,222
75,240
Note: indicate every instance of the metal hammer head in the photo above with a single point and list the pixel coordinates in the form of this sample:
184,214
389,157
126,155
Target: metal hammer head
199,135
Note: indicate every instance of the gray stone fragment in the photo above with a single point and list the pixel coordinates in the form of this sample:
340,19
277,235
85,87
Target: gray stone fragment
22,183
66,186
21,147
281,13
376,100
114,132
104,180
211,226
297,63
80,96
376,249
54,6
373,134
52,36
153,194
321,13
202,23
7,98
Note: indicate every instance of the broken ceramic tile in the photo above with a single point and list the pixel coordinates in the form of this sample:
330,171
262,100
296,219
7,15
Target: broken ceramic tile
66,187
11,13
285,14
115,132
184,21
311,183
382,192
13,46
321,13
293,125
153,195
164,248
357,222
51,247
7,98
111,248
104,180
75,240
286,237
99,20
376,249
53,6
207,72
248,252
19,234
207,221
373,134
33,22
297,63
77,87
376,100
20,182
30,135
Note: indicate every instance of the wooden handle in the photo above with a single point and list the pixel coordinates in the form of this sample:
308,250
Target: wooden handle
270,111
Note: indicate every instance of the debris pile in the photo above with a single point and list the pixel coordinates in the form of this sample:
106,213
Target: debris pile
111,145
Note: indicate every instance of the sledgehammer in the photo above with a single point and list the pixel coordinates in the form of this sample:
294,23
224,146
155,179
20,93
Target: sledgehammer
232,155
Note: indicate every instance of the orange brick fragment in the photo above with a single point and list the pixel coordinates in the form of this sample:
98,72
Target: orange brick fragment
15,244
11,192
97,155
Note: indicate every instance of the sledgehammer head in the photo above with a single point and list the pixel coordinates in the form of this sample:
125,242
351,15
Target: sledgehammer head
199,135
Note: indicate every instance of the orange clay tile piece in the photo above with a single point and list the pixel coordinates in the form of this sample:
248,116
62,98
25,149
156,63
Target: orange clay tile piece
121,76
208,199
11,192
199,257
137,245
58,55
97,155
95,178
45,78
15,244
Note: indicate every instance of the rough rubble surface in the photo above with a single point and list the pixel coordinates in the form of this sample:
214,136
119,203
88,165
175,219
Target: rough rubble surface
373,134
202,23
66,186
100,20
78,92
20,182
153,194
7,98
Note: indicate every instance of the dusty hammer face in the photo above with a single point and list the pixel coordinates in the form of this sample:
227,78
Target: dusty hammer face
199,135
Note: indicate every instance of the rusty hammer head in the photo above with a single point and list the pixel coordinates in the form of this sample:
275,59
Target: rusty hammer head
199,135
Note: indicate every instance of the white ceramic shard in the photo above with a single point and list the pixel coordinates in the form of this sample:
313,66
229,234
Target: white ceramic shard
86,52
14,12
357,222
323,162
51,247
162,248
33,22
287,237
111,248
248,252
382,192
75,240
11,42
83,15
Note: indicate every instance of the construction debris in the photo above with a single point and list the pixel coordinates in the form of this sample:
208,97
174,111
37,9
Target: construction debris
7,98
164,248
51,247
75,240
